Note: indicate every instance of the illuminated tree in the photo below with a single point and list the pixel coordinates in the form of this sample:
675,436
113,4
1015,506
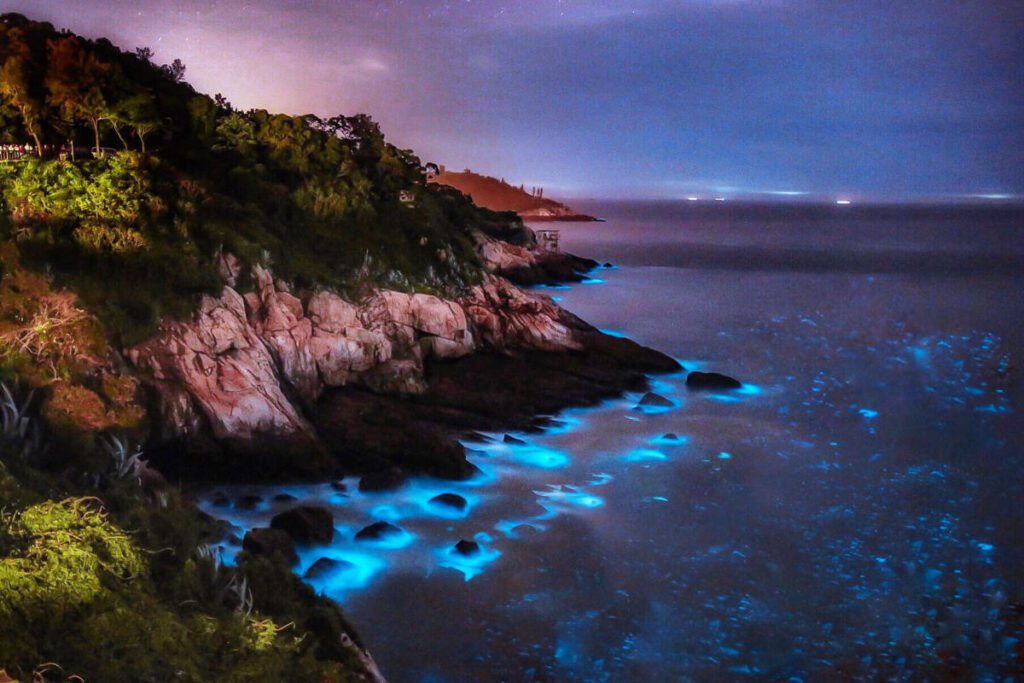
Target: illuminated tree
16,85
76,81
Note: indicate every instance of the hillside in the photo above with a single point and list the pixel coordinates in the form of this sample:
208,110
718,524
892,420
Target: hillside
191,292
498,195
123,192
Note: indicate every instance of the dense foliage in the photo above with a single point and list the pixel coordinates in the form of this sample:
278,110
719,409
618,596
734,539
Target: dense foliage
115,218
133,228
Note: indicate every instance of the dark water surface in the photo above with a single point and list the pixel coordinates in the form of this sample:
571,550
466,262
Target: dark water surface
856,511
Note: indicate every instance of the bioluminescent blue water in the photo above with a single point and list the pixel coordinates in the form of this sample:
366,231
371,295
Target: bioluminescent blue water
853,513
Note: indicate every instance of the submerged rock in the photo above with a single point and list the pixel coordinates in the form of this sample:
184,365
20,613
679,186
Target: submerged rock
376,531
452,500
467,548
325,566
653,400
711,380
306,524
670,436
384,480
264,541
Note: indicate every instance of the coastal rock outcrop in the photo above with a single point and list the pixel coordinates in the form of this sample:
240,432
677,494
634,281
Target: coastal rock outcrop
306,524
248,367
711,380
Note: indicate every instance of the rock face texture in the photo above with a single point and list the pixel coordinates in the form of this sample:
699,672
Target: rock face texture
248,368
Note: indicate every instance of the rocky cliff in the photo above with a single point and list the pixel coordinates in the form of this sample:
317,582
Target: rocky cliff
247,372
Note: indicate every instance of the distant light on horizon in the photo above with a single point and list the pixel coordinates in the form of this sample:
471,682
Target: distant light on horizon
842,201
692,199
719,199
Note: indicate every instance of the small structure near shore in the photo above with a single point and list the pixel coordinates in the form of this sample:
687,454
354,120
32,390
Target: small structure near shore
547,241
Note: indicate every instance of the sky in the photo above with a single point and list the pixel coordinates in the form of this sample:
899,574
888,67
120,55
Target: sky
899,99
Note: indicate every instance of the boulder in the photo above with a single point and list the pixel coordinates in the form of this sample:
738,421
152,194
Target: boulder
339,486
653,400
326,566
452,500
670,436
711,380
263,541
376,531
306,524
467,548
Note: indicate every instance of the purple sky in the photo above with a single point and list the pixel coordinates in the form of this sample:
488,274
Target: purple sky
894,99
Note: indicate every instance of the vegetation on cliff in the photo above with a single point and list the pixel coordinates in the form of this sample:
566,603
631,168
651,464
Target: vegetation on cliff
120,187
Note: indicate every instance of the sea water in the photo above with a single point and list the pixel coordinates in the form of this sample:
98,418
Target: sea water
855,511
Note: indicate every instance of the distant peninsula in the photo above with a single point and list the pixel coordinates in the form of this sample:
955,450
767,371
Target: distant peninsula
498,195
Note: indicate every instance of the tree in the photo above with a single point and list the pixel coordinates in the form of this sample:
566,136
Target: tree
176,70
78,82
16,86
139,112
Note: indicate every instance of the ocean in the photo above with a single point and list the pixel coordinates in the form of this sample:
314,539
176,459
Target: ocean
855,511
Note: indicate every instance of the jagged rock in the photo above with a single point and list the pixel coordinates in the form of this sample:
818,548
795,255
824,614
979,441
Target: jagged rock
326,566
711,380
376,531
452,500
467,548
248,502
226,369
653,400
508,318
264,541
384,480
306,524
509,439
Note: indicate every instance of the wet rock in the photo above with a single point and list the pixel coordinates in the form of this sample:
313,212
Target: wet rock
384,480
339,486
306,524
247,502
284,498
711,380
233,539
325,566
513,440
376,531
477,437
608,265
220,500
263,541
653,400
467,548
452,500
670,436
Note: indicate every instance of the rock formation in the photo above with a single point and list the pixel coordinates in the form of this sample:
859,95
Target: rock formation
249,367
